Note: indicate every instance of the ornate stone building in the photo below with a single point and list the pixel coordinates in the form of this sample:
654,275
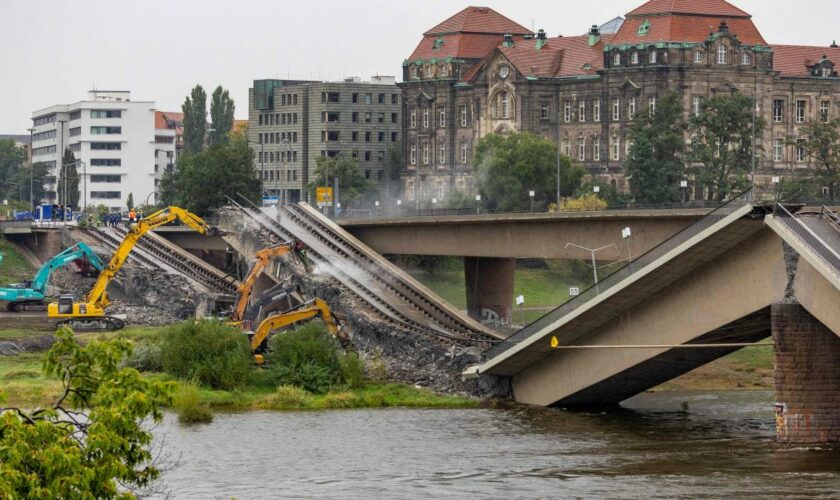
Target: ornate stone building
479,73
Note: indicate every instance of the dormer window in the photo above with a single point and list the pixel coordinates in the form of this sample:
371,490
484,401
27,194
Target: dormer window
653,56
698,57
617,59
825,71
413,72
443,71
722,54
634,58
746,60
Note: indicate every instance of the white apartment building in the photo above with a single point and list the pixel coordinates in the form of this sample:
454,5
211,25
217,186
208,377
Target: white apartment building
114,141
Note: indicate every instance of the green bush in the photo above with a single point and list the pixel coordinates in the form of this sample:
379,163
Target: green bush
306,357
352,369
147,357
207,351
189,407
286,397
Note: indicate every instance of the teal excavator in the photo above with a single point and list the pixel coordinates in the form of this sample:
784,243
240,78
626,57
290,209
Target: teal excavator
31,293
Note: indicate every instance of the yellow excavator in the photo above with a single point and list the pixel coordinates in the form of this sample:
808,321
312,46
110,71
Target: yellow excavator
309,310
89,315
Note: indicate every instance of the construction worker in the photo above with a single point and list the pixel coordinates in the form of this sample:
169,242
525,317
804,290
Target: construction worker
132,216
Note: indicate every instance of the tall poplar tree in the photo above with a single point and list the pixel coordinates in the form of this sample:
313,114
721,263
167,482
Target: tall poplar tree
195,120
69,182
221,115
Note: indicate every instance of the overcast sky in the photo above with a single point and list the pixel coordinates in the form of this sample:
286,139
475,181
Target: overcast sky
52,52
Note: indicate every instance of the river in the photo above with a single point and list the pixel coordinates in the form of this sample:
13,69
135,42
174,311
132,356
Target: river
721,445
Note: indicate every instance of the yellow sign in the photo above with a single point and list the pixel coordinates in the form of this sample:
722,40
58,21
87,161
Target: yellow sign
554,342
323,194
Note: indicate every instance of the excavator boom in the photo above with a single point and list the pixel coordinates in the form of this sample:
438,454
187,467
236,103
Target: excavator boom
316,307
246,288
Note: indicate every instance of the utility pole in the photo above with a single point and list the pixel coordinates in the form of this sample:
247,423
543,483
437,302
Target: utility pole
593,251
31,175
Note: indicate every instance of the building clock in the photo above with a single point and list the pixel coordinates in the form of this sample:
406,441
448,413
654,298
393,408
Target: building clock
504,71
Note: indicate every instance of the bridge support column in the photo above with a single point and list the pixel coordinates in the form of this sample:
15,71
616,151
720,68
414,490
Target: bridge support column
807,373
489,289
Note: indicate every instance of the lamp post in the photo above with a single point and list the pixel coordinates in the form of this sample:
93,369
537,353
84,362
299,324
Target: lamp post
31,175
625,234
478,204
592,251
531,194
684,187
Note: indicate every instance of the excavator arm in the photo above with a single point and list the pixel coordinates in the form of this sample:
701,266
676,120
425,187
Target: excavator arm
92,311
246,288
312,309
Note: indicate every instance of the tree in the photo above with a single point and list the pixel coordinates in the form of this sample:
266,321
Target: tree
101,451
821,143
722,141
23,177
508,167
130,201
655,163
11,163
69,182
203,180
195,120
352,184
221,115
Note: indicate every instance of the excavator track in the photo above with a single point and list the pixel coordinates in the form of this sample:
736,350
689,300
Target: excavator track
93,324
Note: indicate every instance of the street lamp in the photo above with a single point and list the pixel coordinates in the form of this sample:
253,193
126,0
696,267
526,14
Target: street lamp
592,251
31,170
596,189
478,204
531,194
625,234
684,187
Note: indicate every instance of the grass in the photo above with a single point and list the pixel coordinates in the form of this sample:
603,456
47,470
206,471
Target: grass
23,383
747,368
187,402
14,267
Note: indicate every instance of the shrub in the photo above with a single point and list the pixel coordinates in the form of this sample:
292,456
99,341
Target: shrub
306,357
145,358
286,397
352,369
341,400
207,352
189,407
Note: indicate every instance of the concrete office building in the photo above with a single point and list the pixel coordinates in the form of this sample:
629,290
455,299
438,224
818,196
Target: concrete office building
113,139
292,123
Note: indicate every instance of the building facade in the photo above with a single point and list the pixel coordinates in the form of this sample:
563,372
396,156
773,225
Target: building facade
479,73
292,123
169,143
113,141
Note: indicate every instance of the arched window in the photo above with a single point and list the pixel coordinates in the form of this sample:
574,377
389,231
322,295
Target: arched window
653,56
746,60
503,106
617,59
722,54
634,58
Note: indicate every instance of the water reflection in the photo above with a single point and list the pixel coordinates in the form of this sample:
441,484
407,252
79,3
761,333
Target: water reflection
721,446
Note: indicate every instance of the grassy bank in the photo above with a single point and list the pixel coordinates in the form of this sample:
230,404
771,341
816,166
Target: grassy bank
25,386
14,267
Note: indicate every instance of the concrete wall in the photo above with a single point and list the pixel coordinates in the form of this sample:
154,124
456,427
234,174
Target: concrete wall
739,283
817,295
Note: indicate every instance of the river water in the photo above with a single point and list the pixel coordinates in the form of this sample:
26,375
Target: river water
722,445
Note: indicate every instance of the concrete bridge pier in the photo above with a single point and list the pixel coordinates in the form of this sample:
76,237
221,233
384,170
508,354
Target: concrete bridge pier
489,289
807,376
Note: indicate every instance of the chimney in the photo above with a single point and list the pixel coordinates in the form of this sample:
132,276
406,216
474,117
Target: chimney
723,28
834,44
594,35
508,40
542,39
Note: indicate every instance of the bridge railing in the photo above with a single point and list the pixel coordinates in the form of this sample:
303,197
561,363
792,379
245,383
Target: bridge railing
831,217
637,265
807,237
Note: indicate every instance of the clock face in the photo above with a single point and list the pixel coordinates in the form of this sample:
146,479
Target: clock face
504,71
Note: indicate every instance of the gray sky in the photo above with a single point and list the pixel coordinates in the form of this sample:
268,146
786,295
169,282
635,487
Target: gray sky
52,52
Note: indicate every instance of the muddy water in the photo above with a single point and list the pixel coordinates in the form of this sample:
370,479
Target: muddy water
722,446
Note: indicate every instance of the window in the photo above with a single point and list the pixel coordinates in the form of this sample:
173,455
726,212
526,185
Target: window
395,98
380,118
582,110
355,98
567,110
367,155
105,130
503,106
261,119
631,108
75,131
105,162
698,57
413,118
394,118
50,134
581,149
354,117
367,136
425,154
368,98
43,120
800,111
596,149
695,105
543,110
825,71
825,111
778,110
425,117
77,147
412,72
442,117
381,98
464,153
105,178
109,195
43,151
800,150
616,148
333,117
106,146
442,153
394,136
368,117
778,149
412,155
333,136
652,57
75,115
105,113
463,115
652,104
617,59
746,59
634,57
333,97
616,109
722,53
380,137
596,110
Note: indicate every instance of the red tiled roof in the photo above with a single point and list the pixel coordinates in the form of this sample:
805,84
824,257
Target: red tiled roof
793,60
715,8
464,46
478,20
160,121
559,57
683,28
